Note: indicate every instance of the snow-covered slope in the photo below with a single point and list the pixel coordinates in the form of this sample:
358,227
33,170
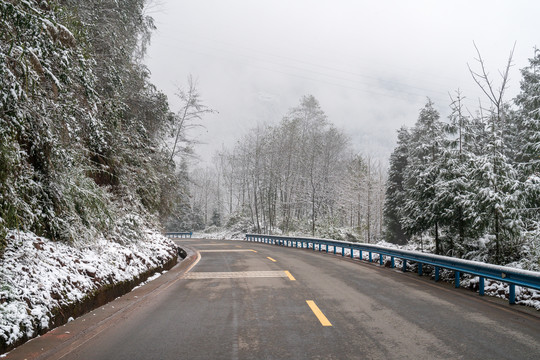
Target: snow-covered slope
39,276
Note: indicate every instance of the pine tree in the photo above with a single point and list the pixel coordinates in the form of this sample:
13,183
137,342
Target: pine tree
395,192
456,197
421,211
494,174
528,131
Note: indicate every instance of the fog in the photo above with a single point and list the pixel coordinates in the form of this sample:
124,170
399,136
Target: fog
371,64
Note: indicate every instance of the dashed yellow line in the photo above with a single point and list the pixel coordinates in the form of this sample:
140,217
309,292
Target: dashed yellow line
269,258
318,313
289,275
252,250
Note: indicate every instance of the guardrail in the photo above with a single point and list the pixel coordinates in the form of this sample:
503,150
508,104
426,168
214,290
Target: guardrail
175,235
511,276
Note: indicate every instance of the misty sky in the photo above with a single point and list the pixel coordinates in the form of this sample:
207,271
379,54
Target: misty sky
371,64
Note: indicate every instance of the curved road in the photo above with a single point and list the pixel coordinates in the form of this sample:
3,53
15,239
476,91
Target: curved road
254,301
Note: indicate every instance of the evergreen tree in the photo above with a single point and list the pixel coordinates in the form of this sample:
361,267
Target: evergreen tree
421,211
395,192
528,136
456,197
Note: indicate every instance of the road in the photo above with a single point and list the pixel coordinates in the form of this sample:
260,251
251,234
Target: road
254,301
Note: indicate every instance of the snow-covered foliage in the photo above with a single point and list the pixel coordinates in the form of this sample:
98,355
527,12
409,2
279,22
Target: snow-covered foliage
80,124
39,276
471,183
81,156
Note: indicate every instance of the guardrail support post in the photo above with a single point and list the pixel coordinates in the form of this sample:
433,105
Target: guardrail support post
512,294
370,257
334,249
457,278
342,250
420,269
481,286
404,269
360,255
352,253
436,273
392,263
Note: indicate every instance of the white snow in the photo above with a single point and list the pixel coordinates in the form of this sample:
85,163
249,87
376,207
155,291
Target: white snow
38,275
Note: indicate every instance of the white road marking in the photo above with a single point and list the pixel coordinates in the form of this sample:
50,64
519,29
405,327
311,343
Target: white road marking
235,275
227,250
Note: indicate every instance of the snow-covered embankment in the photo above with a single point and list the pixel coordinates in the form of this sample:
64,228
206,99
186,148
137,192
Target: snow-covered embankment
44,283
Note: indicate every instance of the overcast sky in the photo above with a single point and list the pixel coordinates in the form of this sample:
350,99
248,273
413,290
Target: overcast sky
371,64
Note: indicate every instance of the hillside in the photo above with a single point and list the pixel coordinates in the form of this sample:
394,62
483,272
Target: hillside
84,176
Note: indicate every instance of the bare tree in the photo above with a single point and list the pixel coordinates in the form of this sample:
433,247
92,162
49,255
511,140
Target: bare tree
188,117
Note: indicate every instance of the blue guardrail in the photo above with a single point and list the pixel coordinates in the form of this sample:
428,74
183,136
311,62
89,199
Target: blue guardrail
511,276
175,235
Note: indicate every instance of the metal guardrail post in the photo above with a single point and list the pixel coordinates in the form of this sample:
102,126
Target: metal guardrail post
370,257
404,269
481,286
420,269
436,273
457,276
381,259
512,294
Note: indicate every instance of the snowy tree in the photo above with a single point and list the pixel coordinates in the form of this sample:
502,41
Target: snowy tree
79,120
421,211
494,175
395,191
456,195
528,136
189,116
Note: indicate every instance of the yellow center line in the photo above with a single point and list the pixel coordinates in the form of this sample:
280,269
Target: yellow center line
289,275
269,258
252,250
318,313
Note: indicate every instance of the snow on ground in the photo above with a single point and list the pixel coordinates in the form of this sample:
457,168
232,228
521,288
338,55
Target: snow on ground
524,296
221,234
38,275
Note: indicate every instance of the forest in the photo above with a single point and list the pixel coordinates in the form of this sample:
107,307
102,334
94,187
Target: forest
83,132
297,176
89,146
466,186
471,183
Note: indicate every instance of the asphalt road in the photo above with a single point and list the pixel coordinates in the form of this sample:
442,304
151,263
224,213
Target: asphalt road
239,302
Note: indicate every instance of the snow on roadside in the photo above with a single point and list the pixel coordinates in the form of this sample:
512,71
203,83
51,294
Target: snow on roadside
38,275
524,296
221,234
